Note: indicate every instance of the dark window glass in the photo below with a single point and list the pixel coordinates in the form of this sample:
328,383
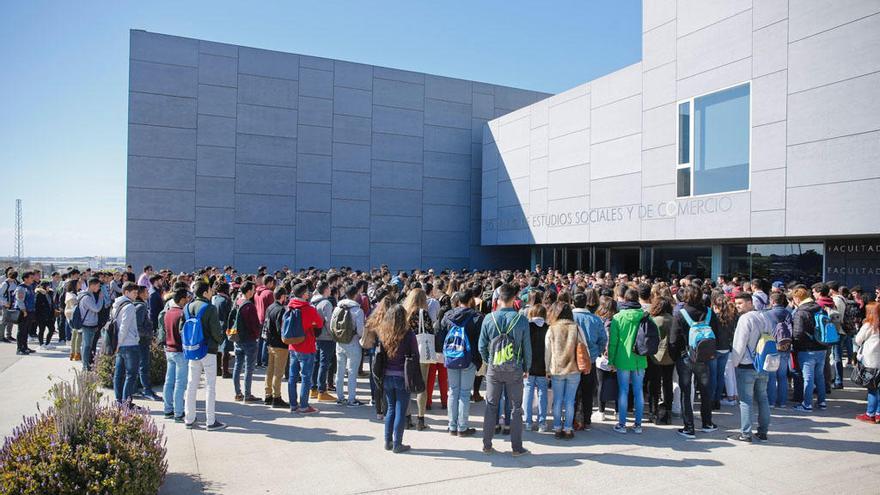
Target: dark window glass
684,182
684,132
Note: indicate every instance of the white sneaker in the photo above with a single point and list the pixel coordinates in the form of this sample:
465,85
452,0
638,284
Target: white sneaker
43,348
620,429
49,347
728,402
637,430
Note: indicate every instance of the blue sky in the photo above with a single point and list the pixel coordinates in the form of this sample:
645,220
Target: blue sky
65,80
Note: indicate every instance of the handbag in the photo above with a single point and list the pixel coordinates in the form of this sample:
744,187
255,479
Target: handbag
380,362
864,376
412,375
425,341
13,316
584,362
608,390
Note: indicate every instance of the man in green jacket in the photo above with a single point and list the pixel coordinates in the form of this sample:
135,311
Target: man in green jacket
630,366
208,364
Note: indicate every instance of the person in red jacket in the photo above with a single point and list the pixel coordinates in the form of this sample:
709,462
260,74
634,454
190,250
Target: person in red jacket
246,348
302,355
262,300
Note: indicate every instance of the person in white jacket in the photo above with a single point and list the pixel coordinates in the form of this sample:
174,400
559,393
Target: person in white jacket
348,354
750,383
127,351
868,341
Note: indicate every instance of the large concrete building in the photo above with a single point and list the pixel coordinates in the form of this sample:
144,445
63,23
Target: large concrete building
747,140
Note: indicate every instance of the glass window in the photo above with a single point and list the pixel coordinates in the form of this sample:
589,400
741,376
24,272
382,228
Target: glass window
721,141
678,261
684,182
684,133
783,262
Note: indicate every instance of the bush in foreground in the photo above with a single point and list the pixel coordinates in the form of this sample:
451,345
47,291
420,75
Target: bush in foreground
80,446
105,365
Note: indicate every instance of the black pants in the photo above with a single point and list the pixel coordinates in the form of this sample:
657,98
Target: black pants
44,327
478,380
586,389
689,372
26,324
659,379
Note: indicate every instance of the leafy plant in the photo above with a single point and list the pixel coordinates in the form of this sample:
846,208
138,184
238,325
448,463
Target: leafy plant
105,366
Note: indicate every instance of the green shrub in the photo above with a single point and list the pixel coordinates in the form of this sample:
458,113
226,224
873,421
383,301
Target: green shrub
106,364
79,446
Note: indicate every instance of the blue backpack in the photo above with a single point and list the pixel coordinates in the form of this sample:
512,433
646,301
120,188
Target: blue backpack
76,320
292,331
195,346
701,338
457,348
826,330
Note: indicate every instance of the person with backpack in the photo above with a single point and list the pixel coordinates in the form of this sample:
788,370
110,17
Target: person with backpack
506,348
308,322
25,303
202,334
145,341
437,372
561,363
809,347
278,356
623,357
459,331
692,346
840,305
724,310
868,342
661,367
326,346
7,305
85,316
44,311
537,379
124,323
347,328
593,330
419,321
750,353
760,299
222,302
71,288
168,334
781,321
247,325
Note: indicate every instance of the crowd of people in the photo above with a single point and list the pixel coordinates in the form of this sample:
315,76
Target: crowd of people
646,348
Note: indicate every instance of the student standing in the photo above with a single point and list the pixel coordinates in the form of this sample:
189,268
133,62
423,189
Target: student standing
461,380
629,365
751,384
398,342
213,336
560,359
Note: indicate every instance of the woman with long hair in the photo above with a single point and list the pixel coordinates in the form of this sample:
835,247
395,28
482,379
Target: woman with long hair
397,342
727,316
560,360
418,321
661,366
606,310
868,341
369,341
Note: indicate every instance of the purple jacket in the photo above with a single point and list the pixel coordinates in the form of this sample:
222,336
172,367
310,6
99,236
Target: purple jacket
394,367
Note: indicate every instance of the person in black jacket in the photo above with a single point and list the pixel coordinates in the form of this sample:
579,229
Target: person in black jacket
45,314
810,353
278,350
537,380
687,367
461,380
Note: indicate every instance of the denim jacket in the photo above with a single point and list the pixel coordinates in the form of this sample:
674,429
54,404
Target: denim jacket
593,329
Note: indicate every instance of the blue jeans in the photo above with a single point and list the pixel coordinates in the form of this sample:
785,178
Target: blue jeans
837,350
175,382
125,375
751,387
716,374
326,348
534,383
564,391
777,383
264,352
624,379
88,336
873,402
245,358
144,368
395,418
813,366
300,365
459,402
348,357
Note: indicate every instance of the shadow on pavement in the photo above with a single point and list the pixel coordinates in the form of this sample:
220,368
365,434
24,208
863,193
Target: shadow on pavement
176,483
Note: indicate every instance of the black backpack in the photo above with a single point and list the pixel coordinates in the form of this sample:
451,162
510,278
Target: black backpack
647,341
852,318
110,332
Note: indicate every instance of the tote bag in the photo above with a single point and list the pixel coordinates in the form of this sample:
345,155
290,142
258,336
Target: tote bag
425,340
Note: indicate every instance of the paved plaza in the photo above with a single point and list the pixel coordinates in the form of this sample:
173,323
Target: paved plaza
269,451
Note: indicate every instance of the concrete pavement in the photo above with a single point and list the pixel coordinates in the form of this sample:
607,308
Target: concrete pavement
339,450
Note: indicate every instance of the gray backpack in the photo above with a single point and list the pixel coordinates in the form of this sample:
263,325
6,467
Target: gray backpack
503,349
342,325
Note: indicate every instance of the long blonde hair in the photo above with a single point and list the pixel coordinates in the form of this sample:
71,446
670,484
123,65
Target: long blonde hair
416,300
375,319
393,329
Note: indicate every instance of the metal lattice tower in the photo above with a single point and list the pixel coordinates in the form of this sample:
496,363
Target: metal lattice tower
19,236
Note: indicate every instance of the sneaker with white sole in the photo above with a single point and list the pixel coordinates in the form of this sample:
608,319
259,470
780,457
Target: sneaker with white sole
637,430
620,429
709,428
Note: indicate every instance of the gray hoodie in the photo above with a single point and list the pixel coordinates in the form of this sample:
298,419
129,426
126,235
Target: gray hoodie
357,313
749,328
325,309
